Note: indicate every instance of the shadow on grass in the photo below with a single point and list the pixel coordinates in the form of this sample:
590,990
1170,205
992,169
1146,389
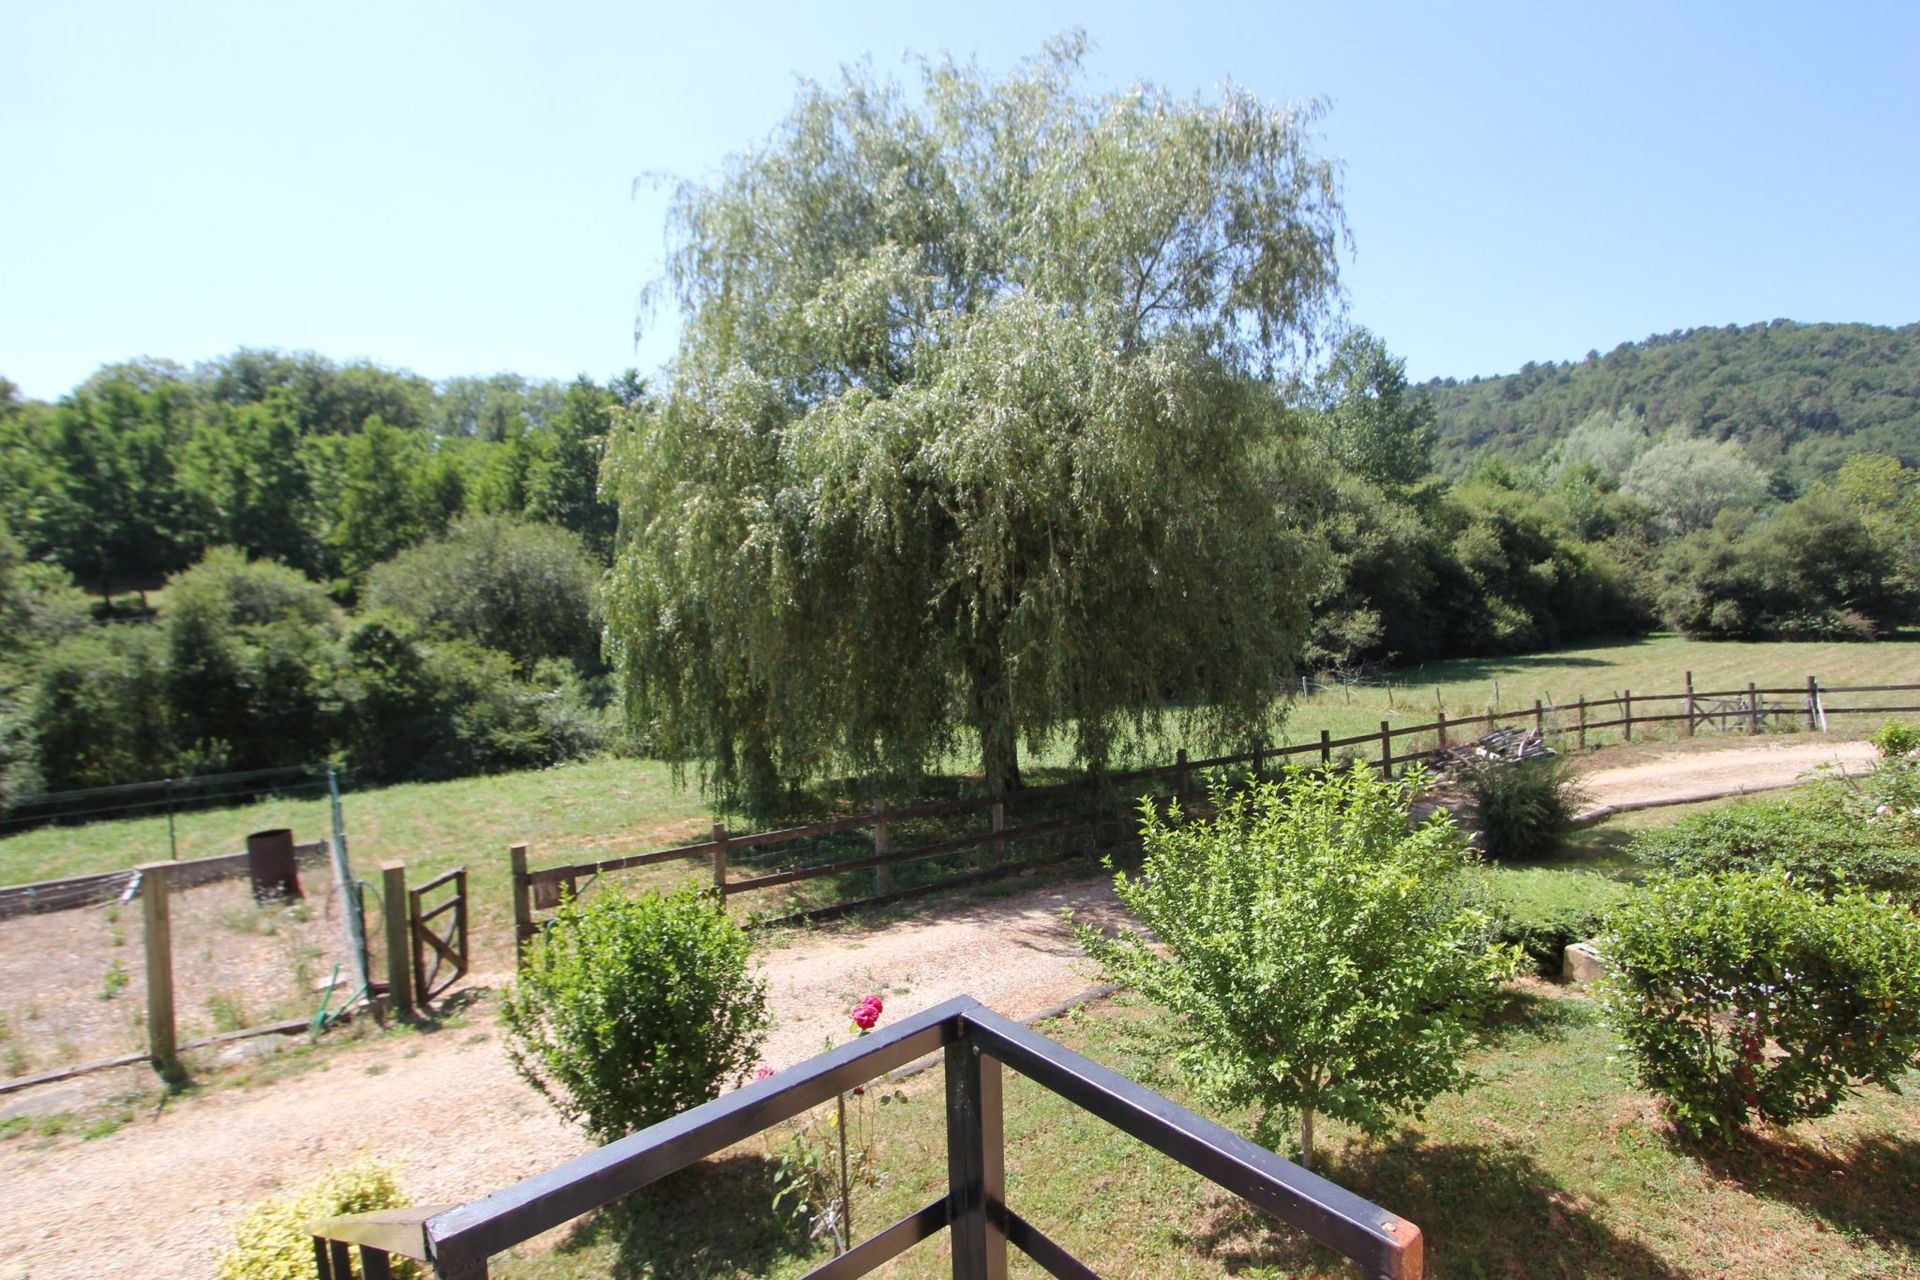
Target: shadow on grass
714,1218
1522,1015
1482,1210
1870,1190
1601,848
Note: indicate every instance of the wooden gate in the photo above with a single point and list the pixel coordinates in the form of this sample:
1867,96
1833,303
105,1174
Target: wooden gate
439,958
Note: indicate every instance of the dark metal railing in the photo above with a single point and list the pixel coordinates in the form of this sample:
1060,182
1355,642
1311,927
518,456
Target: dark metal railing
457,1240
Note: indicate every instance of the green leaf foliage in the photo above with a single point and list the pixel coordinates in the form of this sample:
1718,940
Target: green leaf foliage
523,589
969,424
1318,953
1524,810
274,1239
1817,844
1798,397
630,1010
1740,997
1543,910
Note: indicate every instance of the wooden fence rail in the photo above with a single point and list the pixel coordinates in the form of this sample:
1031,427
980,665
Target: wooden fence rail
101,887
1746,710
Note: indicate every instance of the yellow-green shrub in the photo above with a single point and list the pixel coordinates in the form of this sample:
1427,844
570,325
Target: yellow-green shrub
274,1241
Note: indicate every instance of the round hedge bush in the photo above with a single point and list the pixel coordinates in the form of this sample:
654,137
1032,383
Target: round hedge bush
630,1010
1741,997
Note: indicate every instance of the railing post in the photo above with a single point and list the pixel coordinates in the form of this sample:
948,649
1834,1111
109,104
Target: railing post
1690,712
157,916
1583,722
1539,720
882,874
1326,748
1259,757
1626,713
393,892
720,859
522,904
1753,709
1386,749
999,825
976,1164
1441,725
1181,779
1813,704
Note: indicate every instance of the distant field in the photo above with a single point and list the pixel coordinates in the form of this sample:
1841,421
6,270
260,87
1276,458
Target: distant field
1656,664
577,810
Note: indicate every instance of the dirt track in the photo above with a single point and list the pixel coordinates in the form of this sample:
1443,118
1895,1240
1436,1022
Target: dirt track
157,1198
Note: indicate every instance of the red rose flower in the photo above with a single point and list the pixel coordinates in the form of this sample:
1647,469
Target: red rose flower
866,1013
762,1073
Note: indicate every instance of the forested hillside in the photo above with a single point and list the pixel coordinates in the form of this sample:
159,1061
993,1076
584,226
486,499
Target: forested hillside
1798,397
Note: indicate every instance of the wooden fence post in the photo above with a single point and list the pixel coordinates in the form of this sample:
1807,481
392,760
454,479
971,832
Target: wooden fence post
522,903
157,912
1326,748
1259,757
1626,713
1753,709
1181,778
1813,704
1441,725
1539,720
393,892
1583,722
999,825
1386,749
720,860
1690,714
882,874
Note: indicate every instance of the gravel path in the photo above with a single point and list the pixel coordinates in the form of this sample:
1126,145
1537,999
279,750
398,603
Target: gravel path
158,1197
1683,772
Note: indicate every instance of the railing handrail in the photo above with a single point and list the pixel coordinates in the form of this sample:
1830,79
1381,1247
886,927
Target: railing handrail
458,1240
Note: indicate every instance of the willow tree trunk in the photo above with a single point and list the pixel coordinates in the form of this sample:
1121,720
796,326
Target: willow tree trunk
993,720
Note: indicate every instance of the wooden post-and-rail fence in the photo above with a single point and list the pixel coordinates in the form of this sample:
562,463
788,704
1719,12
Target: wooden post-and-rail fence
1746,710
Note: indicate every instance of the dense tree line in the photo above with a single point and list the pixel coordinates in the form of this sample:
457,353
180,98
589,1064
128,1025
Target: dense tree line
356,564
419,595
1798,398
326,468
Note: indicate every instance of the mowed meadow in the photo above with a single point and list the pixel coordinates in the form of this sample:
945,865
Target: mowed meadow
598,808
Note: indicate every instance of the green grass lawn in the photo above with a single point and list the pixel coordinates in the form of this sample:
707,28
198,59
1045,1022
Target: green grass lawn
583,811
1550,1165
1653,664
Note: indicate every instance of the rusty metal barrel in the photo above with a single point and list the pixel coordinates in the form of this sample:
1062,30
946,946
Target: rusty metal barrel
270,863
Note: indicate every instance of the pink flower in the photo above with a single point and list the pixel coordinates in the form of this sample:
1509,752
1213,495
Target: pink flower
866,1013
762,1073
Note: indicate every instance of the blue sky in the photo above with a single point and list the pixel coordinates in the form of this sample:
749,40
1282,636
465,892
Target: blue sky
449,187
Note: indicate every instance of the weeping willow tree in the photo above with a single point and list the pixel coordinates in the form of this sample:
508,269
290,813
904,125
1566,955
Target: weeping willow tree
973,434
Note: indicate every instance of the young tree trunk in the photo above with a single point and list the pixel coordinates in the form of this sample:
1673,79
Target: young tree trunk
1306,1138
993,719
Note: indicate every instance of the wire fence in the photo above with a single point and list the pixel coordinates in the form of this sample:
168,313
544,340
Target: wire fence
170,797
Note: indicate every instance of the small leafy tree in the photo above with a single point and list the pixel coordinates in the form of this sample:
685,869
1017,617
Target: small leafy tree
1318,952
632,1009
1740,997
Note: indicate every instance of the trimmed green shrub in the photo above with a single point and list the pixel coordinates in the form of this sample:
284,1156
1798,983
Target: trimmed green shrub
1739,997
1542,910
1524,810
1896,738
630,1010
1320,955
274,1240
1818,845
